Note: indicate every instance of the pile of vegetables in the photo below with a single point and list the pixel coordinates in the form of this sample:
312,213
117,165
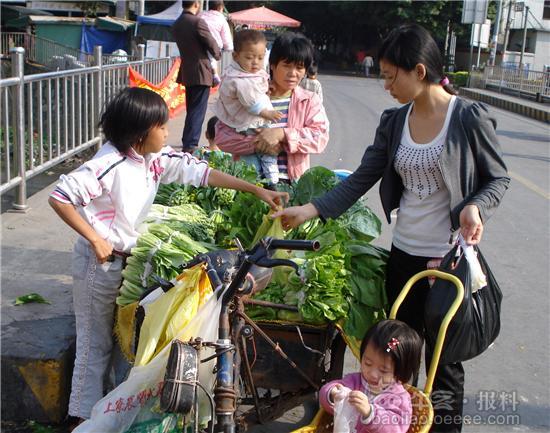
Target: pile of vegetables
186,221
343,282
160,251
233,214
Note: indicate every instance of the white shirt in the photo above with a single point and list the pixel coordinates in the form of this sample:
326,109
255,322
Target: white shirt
423,224
114,191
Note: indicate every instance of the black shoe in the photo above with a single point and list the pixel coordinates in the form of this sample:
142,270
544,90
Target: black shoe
73,422
189,150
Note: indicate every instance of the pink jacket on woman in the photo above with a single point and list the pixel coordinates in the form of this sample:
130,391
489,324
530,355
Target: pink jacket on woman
307,132
391,409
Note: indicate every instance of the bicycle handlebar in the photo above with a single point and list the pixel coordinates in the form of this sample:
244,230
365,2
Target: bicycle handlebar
283,244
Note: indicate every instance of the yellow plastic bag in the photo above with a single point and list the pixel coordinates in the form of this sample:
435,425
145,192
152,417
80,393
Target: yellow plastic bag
269,227
172,312
125,325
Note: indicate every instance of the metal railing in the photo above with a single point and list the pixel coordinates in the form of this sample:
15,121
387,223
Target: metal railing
514,80
54,55
46,118
9,40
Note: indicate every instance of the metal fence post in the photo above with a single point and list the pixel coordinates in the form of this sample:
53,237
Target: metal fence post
100,90
141,57
141,52
18,70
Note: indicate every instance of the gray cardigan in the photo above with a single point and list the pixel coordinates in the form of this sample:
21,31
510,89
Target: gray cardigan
471,164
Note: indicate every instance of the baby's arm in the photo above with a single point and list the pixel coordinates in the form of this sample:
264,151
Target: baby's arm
331,390
252,95
389,413
272,115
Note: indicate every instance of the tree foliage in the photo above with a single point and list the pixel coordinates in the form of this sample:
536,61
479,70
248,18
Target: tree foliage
341,28
366,23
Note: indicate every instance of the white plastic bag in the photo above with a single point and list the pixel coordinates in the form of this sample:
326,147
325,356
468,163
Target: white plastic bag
345,415
134,405
479,280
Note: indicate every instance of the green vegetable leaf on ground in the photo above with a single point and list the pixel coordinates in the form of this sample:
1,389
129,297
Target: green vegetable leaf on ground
31,297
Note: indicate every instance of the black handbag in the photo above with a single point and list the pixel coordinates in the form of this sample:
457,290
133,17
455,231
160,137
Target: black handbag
476,323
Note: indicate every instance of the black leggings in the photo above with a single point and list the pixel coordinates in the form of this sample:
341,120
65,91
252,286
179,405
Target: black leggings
448,388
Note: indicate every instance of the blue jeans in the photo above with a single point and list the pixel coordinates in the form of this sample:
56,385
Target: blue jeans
95,288
265,165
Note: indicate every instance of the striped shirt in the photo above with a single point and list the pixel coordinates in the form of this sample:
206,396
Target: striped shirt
281,105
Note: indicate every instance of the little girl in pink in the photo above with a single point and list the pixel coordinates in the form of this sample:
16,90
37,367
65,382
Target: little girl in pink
390,355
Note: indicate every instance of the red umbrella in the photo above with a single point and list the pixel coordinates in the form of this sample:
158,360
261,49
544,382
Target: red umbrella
262,17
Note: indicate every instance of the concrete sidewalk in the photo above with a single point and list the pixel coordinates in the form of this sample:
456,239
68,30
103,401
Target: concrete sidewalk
38,339
534,110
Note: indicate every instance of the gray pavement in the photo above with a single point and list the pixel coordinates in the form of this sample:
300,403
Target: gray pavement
36,248
525,107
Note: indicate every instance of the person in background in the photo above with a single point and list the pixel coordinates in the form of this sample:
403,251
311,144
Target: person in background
219,28
311,83
368,63
440,163
304,127
104,201
194,43
243,103
210,133
359,57
390,356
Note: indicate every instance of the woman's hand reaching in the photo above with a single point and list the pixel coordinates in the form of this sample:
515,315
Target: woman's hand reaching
471,226
294,216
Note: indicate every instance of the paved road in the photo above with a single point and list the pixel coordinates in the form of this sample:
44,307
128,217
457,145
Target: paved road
515,369
508,384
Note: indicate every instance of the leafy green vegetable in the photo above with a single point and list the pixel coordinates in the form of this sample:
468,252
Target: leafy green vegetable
31,297
246,215
344,280
313,183
361,222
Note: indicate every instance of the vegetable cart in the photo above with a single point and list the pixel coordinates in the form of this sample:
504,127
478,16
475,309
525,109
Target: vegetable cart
264,368
422,416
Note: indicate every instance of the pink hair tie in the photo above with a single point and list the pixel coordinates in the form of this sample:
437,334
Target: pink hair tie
392,344
444,81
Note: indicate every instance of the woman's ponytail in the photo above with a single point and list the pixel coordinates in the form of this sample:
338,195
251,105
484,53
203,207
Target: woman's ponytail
447,86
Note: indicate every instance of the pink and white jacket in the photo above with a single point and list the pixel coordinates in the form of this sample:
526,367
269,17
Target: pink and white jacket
391,409
241,97
219,28
307,132
114,191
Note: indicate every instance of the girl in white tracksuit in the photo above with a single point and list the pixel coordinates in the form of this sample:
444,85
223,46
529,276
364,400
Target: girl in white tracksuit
105,200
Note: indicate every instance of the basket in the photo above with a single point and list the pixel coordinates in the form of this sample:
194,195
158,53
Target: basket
271,371
422,410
